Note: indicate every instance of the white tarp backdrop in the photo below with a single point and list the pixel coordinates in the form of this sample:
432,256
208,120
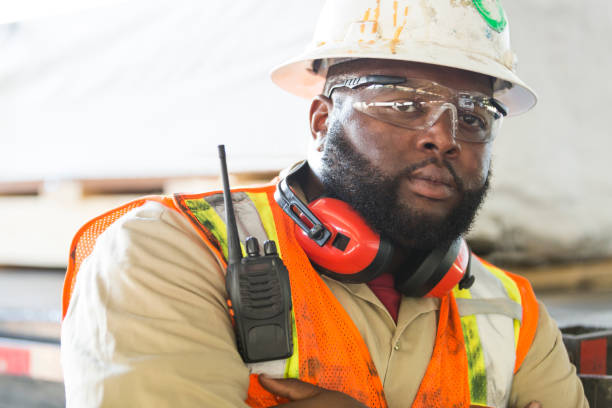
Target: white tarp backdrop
23,10
148,88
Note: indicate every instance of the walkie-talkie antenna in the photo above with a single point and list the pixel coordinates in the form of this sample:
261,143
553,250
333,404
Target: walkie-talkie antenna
234,253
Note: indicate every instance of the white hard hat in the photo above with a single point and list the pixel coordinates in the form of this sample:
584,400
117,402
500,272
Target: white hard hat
472,35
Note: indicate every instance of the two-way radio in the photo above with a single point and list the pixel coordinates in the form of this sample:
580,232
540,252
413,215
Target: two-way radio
259,291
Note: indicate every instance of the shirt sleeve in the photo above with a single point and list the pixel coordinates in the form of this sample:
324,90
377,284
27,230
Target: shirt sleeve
147,324
546,374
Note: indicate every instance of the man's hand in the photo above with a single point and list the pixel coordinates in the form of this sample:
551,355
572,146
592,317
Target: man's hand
303,395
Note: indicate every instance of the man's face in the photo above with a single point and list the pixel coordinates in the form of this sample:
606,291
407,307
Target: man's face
420,188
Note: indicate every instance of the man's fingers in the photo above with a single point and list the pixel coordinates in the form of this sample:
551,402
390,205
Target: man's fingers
534,404
289,388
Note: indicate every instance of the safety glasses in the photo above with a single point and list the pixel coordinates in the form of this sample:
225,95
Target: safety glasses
417,104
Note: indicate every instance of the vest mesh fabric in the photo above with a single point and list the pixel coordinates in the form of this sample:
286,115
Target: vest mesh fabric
83,247
445,383
85,240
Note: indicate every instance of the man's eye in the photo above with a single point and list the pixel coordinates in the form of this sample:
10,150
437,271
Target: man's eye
473,121
405,107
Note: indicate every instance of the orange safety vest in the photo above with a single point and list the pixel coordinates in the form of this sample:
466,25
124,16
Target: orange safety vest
328,349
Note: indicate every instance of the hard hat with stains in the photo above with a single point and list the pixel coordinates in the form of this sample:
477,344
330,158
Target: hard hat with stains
472,35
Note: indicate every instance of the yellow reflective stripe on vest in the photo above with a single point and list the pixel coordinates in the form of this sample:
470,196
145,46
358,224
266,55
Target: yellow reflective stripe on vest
292,369
208,217
260,200
489,320
477,373
513,293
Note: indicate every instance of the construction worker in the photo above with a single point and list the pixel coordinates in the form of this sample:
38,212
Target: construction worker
389,306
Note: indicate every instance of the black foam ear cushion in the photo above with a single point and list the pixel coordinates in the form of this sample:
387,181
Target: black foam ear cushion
430,272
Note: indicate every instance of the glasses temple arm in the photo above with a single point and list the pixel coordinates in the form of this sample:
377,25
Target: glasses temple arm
353,83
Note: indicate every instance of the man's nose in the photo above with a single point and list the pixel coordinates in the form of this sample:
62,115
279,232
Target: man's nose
439,138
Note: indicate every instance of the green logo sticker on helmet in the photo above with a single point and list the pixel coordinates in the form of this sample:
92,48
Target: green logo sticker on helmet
496,23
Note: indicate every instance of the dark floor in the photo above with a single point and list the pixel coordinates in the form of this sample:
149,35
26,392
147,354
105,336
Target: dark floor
20,392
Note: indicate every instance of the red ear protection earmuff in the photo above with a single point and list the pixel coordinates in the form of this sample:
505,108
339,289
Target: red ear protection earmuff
336,240
340,244
354,252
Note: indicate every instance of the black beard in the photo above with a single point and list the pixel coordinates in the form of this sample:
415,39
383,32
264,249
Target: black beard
348,176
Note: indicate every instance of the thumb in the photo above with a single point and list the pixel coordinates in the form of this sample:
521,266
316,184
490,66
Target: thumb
534,404
289,388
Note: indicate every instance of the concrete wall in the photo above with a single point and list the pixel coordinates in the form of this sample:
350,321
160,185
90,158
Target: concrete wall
552,197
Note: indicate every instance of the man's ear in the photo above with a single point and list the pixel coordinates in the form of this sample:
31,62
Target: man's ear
320,109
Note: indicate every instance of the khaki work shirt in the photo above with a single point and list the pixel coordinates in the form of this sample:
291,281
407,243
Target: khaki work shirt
148,326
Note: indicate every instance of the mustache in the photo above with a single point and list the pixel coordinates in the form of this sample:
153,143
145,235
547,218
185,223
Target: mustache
410,169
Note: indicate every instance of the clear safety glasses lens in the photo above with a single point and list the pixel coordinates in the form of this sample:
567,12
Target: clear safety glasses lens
473,118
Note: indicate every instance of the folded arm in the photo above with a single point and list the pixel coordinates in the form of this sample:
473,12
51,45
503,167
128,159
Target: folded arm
148,324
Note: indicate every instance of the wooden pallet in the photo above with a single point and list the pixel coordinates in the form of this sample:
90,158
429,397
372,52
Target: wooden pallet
584,276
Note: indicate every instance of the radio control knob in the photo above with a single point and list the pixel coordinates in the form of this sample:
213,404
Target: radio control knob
270,248
252,247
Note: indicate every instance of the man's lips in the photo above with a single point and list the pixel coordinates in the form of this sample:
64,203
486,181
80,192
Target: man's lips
432,182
